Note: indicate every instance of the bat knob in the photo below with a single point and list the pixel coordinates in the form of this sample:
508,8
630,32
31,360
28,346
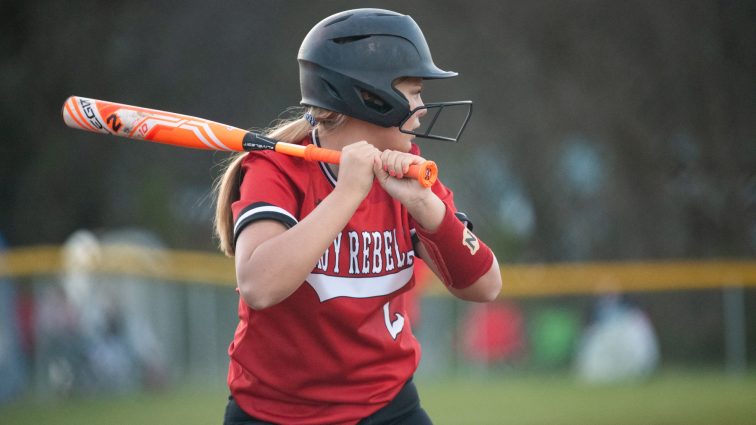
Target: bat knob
426,173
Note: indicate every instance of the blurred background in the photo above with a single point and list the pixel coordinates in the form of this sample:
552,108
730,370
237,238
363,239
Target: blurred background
610,163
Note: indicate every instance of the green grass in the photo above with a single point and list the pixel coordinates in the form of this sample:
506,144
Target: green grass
671,398
667,399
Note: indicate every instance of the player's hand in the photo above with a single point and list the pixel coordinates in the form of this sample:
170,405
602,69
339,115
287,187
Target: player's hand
390,173
356,168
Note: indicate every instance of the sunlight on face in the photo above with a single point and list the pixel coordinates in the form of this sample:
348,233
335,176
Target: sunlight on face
411,88
393,139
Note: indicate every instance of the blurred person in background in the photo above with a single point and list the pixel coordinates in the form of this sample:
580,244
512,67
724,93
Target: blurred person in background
93,332
333,344
619,344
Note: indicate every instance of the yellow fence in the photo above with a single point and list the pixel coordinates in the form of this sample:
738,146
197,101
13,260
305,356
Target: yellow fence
519,280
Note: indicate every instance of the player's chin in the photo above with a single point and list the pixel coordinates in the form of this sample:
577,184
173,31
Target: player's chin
401,144
406,143
400,141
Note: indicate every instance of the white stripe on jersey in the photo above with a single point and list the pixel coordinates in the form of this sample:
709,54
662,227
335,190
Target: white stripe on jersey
262,209
329,287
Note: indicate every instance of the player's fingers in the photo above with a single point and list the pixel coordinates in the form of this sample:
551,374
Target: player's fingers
362,150
386,162
397,163
391,162
406,161
378,168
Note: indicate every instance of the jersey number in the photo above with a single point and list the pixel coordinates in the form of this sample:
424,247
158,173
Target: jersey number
393,327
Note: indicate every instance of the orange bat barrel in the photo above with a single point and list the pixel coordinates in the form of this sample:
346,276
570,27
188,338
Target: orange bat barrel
150,124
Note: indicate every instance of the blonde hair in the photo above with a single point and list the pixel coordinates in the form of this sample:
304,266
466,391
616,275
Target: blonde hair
226,187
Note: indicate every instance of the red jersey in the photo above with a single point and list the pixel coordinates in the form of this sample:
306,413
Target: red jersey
340,347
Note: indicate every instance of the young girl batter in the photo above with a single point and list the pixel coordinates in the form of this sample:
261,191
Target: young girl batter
324,254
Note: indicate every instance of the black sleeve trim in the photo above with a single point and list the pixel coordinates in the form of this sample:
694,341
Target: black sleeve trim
260,211
464,219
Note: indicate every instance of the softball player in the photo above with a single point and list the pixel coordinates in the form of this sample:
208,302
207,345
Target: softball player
324,254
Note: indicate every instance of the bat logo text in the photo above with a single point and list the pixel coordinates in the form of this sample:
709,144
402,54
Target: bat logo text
114,122
470,241
86,106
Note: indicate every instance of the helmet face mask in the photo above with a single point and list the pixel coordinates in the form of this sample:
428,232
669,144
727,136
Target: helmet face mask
450,129
349,62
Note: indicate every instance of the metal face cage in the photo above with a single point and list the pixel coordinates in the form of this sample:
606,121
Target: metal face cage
449,129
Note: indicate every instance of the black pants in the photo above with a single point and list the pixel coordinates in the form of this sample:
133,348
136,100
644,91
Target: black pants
404,409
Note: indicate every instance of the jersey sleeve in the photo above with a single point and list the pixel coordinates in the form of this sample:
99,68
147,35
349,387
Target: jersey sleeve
266,191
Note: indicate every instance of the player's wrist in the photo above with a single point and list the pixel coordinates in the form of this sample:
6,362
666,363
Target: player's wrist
427,209
349,193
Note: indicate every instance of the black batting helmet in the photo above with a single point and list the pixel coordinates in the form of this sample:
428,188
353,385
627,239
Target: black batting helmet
349,62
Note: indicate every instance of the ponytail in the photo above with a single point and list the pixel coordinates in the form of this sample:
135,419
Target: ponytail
226,187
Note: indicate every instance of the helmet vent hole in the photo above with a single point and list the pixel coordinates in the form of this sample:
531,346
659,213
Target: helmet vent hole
337,20
374,102
331,90
350,39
